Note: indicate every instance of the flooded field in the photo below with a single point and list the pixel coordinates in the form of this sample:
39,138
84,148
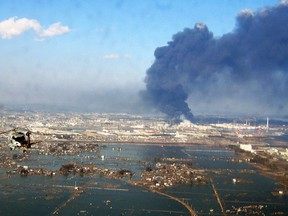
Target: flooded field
237,185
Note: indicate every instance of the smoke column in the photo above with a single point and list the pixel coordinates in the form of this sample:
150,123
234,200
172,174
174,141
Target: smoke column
251,60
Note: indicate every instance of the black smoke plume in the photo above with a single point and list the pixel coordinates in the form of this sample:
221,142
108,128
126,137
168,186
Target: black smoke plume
250,63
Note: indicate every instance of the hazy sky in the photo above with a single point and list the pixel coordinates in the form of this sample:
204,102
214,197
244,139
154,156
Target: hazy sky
95,53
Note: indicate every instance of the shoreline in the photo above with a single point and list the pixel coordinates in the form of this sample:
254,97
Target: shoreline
267,171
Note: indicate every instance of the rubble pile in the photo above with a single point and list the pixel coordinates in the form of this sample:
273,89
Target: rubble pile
125,173
171,174
84,169
71,168
67,148
247,210
25,171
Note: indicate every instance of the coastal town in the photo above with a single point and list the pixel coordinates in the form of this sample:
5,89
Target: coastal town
86,137
73,133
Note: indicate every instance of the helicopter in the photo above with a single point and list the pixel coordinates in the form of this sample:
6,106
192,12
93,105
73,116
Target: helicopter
19,138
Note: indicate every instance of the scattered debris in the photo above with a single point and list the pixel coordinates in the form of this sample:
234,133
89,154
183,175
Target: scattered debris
247,210
170,174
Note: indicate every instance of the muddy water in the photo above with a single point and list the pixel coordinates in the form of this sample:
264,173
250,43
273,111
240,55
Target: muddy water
40,195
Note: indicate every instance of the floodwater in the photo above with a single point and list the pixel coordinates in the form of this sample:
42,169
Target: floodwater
46,195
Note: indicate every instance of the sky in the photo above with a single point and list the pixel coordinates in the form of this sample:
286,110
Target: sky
94,54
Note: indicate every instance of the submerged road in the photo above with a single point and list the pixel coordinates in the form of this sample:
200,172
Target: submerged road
189,208
218,198
75,195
